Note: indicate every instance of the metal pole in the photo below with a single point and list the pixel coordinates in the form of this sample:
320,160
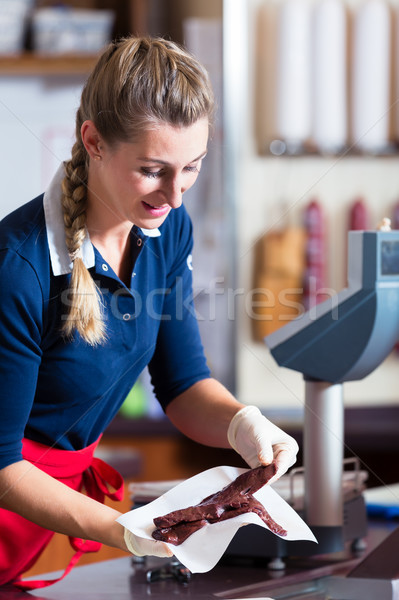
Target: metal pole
323,453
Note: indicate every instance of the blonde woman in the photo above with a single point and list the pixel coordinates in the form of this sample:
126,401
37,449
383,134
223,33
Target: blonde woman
95,279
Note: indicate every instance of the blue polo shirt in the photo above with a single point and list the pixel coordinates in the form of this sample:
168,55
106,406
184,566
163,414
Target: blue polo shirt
64,392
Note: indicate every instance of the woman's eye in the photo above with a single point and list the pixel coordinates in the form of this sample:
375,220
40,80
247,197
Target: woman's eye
160,172
192,169
151,174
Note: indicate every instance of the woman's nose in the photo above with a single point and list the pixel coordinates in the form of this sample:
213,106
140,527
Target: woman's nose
174,192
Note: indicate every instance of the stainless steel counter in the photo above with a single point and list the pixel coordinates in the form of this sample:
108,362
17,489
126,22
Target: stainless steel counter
120,579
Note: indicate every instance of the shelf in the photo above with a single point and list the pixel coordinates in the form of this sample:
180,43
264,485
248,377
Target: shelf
349,152
31,64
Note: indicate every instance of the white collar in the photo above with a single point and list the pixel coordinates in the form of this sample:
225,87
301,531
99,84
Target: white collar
59,256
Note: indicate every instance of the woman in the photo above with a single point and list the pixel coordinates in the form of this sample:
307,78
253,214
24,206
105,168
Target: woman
96,284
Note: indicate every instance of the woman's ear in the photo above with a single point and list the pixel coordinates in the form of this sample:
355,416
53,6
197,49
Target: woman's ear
91,140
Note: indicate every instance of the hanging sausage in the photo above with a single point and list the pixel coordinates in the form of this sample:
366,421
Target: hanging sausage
358,216
314,277
277,282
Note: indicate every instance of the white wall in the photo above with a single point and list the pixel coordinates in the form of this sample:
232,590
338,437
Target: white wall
37,117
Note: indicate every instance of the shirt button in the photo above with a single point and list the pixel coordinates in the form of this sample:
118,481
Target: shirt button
139,241
104,267
126,317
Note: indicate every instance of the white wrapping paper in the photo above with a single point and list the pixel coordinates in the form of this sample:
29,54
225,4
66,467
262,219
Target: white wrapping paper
204,548
371,76
329,76
294,72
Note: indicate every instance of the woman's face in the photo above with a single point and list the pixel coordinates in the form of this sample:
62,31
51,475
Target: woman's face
141,182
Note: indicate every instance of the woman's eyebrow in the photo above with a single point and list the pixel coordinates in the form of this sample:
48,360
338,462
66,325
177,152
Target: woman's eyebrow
165,162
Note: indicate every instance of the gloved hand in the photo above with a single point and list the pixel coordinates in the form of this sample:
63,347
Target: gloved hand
259,441
143,547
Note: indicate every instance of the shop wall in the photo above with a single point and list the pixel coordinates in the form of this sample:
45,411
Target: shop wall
272,194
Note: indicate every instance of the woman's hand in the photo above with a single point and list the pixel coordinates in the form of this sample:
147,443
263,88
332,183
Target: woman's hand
143,547
210,415
259,441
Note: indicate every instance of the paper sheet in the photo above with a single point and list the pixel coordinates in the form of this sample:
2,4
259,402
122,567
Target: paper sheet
204,548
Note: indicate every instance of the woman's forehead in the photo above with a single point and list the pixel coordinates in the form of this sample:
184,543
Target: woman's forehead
188,142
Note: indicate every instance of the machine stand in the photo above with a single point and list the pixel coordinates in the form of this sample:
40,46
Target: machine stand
323,454
359,546
276,564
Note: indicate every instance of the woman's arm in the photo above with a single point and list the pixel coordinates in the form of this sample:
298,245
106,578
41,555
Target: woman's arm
207,413
31,493
35,495
203,412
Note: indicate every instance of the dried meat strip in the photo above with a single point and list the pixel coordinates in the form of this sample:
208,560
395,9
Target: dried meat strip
214,505
233,500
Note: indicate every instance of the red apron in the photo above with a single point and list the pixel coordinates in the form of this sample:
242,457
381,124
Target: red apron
21,541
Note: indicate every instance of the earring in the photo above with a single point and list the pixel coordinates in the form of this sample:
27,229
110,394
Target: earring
98,156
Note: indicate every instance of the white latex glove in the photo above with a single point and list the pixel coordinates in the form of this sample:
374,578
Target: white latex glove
143,547
259,441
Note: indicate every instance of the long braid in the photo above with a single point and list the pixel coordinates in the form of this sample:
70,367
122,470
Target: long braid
85,315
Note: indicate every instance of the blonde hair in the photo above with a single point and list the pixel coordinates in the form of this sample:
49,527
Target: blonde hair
137,83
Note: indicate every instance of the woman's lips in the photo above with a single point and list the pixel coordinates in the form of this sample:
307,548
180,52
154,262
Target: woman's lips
156,211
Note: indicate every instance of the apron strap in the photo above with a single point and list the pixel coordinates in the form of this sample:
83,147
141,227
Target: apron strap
100,479
87,546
